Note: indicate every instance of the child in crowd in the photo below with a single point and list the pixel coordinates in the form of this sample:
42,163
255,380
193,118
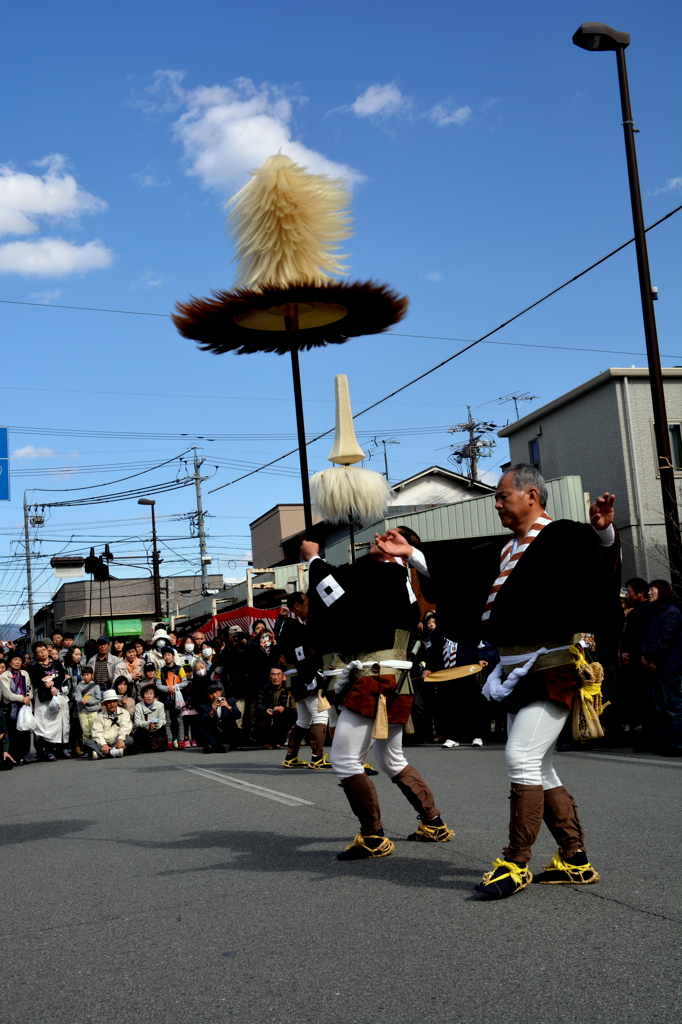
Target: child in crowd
170,685
87,696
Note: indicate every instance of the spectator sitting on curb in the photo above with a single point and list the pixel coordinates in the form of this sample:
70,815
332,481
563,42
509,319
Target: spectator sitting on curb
218,719
273,717
149,722
110,730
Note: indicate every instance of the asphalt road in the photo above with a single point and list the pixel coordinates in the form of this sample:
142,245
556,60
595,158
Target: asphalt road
136,890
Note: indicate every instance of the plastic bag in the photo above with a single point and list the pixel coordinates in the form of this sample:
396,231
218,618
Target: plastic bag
179,700
55,704
25,719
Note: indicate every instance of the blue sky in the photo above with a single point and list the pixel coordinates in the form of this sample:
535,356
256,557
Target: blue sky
486,159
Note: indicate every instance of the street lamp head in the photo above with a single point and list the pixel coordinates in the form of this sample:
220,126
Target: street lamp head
594,35
145,501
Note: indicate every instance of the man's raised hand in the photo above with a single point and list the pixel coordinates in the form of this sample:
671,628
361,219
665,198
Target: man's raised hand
393,543
601,511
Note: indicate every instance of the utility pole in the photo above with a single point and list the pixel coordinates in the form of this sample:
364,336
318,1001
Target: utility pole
477,447
384,442
205,557
29,577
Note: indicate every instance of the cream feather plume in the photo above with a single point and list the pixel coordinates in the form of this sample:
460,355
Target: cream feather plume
344,490
286,224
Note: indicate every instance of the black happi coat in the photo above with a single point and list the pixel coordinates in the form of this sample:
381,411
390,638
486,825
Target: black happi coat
564,583
294,644
357,608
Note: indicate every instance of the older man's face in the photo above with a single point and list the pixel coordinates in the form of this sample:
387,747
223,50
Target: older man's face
512,505
198,638
110,705
103,648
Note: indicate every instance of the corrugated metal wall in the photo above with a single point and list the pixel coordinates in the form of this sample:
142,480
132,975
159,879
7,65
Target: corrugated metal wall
466,519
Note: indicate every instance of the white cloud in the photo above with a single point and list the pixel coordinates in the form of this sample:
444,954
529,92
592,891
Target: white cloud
46,297
381,101
671,185
228,130
447,113
30,452
53,257
25,198
147,179
433,275
151,280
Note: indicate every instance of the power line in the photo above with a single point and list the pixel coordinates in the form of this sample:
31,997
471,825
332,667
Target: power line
466,348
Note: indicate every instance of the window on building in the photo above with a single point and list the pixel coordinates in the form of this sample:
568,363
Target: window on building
675,428
534,453
676,445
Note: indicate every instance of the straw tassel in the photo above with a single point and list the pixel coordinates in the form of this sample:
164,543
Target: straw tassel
322,702
380,729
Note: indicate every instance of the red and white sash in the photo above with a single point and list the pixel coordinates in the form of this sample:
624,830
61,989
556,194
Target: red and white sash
509,560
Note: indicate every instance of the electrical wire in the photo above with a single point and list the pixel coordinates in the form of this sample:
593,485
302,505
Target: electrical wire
461,351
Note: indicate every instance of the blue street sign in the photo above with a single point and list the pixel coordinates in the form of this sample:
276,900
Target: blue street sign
4,464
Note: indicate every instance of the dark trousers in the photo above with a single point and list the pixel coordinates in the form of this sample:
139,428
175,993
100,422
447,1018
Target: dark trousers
19,742
666,692
147,742
273,729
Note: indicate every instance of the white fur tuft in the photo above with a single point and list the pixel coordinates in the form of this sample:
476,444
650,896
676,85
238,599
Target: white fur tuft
342,490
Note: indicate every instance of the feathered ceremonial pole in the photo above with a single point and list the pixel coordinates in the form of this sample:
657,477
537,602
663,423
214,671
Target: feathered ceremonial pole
344,493
287,225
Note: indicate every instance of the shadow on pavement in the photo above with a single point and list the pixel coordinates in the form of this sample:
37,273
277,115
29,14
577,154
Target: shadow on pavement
32,831
272,851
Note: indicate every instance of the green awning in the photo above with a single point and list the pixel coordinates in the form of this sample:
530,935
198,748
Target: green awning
123,627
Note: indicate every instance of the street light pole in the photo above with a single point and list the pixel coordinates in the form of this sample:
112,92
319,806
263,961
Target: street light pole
155,560
597,36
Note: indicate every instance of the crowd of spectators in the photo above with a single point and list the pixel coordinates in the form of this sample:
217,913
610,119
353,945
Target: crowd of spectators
110,698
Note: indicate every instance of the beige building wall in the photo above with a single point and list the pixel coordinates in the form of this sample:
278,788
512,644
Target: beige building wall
602,432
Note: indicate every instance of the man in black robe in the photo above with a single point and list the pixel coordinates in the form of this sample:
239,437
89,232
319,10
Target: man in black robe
360,618
532,595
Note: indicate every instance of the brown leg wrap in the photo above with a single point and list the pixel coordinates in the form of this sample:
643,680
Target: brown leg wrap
364,803
525,819
411,784
317,735
295,737
561,818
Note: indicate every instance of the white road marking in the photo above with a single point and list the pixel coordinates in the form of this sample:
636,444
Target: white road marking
249,787
617,757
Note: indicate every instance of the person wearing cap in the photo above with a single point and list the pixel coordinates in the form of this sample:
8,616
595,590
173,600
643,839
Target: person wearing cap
149,720
104,664
110,730
218,718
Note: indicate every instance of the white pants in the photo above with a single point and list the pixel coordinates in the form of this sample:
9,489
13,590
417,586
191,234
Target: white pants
333,717
532,733
308,713
352,740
